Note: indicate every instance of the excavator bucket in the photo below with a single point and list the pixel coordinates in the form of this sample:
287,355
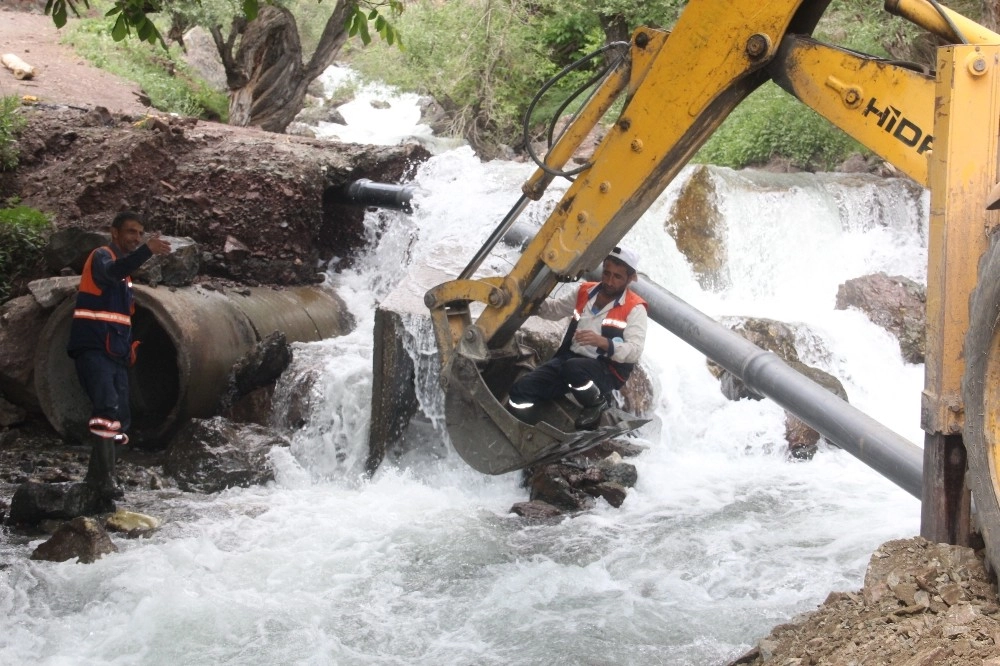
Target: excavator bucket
492,441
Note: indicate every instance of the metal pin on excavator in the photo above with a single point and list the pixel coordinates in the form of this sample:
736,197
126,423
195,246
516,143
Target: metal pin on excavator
939,128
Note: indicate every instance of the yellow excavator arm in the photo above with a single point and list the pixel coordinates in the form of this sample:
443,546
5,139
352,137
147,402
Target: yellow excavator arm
678,88
939,128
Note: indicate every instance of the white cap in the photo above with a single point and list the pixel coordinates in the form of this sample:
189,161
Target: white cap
626,256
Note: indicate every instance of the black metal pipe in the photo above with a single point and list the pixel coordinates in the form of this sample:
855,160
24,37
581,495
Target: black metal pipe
888,453
365,192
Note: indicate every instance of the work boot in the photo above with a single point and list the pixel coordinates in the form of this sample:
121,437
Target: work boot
101,470
593,403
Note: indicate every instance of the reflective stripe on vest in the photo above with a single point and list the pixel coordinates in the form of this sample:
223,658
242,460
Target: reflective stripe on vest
89,286
612,326
617,315
99,315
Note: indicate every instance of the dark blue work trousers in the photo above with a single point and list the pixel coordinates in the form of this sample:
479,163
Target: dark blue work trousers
555,377
106,384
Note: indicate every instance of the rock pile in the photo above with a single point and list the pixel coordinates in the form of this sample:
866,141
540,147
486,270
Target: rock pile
923,604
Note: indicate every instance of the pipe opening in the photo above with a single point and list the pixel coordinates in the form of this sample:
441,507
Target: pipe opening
154,381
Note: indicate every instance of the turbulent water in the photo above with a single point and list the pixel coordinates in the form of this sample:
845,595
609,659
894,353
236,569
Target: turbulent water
721,538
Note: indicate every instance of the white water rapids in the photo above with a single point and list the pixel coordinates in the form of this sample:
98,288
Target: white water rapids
721,539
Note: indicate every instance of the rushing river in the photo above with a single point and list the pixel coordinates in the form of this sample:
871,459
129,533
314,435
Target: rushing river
721,539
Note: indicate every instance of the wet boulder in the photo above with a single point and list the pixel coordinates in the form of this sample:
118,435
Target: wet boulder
536,510
573,485
81,538
251,382
301,391
320,112
21,323
781,339
698,227
132,524
551,484
896,303
434,116
802,439
210,455
769,334
34,502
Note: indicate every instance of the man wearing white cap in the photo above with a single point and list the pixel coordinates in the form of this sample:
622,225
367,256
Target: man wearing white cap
602,344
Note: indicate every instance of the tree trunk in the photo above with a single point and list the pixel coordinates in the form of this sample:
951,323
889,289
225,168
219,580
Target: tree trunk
615,29
268,86
991,14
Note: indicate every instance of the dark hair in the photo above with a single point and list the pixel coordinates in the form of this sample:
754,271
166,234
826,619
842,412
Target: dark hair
124,216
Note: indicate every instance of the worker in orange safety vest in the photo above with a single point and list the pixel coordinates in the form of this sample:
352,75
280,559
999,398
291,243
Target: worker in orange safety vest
102,347
603,342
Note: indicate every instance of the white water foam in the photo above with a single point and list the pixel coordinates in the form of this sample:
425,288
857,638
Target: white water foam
721,539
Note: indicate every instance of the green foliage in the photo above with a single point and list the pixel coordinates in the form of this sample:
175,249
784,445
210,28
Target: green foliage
137,16
571,29
23,234
658,13
358,21
311,17
481,59
11,124
171,85
770,124
129,15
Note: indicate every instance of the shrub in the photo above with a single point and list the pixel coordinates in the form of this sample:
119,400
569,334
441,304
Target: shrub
11,124
771,123
481,60
23,234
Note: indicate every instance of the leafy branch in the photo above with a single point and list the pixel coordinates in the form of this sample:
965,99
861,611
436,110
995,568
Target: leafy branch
134,16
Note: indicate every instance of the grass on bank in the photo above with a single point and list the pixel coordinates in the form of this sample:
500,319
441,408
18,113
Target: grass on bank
772,124
11,124
172,86
24,232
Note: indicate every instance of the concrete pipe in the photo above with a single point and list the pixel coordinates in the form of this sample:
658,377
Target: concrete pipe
191,338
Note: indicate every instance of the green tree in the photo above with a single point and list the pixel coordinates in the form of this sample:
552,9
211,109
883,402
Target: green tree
480,59
261,49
